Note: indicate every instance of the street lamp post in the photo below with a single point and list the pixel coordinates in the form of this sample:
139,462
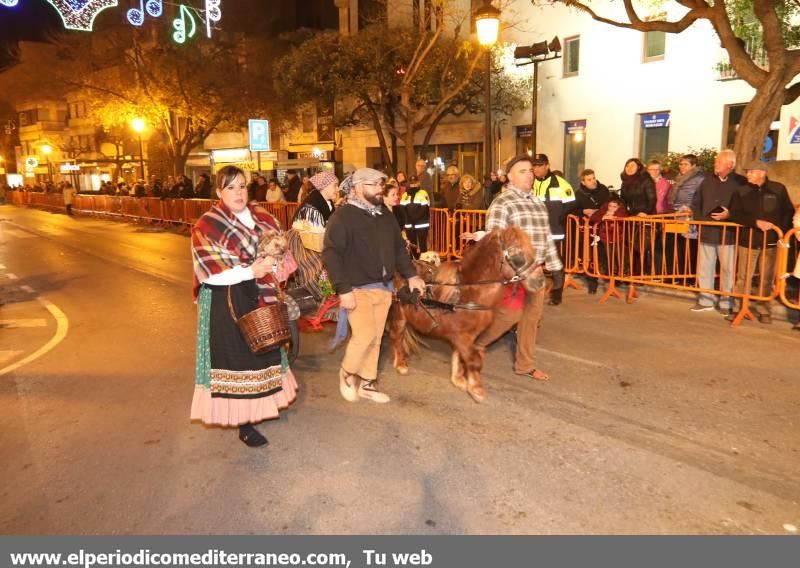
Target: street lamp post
487,23
47,150
138,125
536,53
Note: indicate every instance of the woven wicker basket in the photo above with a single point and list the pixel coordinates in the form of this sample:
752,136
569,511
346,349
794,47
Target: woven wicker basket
265,328
311,236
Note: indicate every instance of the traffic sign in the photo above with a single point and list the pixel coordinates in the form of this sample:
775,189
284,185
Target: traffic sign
259,135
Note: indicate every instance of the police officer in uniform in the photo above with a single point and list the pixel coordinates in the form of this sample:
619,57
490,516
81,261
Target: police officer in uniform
559,197
416,213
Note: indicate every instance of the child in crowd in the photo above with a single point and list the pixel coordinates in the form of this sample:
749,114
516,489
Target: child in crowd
607,231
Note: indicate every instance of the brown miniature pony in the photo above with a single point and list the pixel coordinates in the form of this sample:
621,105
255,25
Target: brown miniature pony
467,293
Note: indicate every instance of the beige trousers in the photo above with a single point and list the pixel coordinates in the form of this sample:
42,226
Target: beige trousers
367,322
527,321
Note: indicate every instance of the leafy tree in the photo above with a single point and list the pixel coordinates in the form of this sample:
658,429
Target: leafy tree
396,80
705,159
761,38
183,92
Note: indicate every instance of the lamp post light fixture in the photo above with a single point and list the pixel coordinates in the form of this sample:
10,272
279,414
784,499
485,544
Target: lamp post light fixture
536,53
138,125
47,149
487,24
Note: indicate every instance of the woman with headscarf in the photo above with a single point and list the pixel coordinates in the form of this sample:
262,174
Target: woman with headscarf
308,229
317,207
234,386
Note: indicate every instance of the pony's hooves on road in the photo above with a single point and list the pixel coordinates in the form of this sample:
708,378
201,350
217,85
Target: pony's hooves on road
478,395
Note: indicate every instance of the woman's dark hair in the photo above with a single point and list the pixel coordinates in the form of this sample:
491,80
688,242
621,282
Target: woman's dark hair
616,200
639,164
227,174
691,158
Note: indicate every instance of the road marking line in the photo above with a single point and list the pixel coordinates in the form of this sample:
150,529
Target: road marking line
32,322
2,266
573,358
28,289
62,326
11,276
6,356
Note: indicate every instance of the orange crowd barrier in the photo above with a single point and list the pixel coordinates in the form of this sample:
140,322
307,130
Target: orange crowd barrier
464,221
439,233
659,251
788,266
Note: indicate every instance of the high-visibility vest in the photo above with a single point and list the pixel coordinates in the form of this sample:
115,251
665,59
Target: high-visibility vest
417,209
559,197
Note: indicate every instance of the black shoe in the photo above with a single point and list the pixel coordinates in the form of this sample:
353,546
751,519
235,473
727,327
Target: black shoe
555,296
252,437
592,288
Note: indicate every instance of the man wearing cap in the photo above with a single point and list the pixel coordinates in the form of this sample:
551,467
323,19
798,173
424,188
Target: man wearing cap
764,206
559,198
363,249
520,207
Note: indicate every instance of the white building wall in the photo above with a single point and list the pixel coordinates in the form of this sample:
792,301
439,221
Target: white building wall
614,86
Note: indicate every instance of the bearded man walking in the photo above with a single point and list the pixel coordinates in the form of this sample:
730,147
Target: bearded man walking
363,249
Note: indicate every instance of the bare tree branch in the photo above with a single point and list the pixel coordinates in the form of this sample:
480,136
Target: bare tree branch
792,93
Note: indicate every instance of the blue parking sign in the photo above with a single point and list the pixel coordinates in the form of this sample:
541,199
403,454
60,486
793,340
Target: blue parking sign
259,135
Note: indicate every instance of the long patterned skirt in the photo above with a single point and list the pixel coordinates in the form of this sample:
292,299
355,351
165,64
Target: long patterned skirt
234,386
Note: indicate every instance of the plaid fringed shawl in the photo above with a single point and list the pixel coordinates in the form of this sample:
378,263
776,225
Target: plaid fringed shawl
220,241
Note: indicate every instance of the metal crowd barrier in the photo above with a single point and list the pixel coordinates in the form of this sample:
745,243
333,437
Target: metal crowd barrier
463,221
788,255
439,237
659,251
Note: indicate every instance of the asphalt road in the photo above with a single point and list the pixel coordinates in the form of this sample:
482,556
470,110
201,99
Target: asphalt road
656,420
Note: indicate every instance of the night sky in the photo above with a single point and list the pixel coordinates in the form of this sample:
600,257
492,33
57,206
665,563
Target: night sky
36,19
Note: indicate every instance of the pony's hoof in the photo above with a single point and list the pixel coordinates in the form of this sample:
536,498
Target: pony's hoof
478,394
402,369
459,382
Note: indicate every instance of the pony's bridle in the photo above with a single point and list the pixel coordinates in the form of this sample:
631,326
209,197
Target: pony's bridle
519,273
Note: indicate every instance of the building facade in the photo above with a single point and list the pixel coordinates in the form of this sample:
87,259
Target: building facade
613,94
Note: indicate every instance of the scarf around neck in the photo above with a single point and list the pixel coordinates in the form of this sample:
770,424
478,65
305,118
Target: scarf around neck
373,210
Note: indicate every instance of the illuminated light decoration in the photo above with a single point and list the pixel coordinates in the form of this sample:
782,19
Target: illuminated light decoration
9,3
179,24
213,14
80,14
153,8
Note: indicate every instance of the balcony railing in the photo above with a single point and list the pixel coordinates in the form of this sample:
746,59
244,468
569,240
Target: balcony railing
755,48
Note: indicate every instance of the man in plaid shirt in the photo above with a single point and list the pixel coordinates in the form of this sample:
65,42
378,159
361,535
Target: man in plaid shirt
518,206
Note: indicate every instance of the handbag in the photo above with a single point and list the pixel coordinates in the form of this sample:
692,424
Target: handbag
265,328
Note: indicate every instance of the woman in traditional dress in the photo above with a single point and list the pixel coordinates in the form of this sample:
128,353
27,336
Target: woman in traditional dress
233,386
311,217
317,207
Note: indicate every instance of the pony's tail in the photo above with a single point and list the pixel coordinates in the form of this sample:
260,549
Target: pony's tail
412,341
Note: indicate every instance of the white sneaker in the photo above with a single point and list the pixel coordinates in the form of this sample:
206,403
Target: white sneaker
369,390
701,308
347,386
